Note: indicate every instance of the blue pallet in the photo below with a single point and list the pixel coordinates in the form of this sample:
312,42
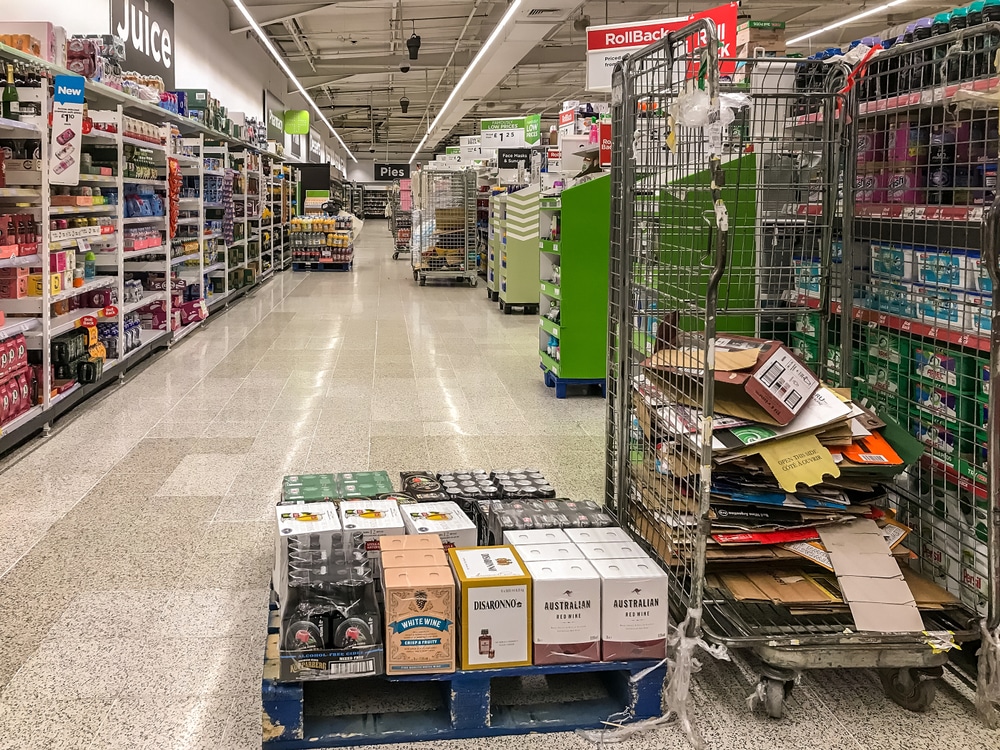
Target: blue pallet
561,384
464,708
313,266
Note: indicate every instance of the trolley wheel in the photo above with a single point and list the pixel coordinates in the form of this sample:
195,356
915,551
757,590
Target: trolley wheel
416,276
474,282
775,693
913,689
395,255
423,281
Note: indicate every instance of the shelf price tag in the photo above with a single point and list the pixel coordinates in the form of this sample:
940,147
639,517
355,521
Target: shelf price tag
87,321
110,311
67,130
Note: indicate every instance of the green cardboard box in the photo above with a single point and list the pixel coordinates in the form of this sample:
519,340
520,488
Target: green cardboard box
307,488
364,484
888,347
198,98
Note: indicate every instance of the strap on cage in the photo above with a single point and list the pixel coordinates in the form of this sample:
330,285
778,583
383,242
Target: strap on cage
988,680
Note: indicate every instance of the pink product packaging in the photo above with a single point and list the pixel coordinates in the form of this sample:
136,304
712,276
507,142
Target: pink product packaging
906,186
870,145
907,143
870,187
101,298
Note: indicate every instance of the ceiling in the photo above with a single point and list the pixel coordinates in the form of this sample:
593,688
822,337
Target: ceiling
348,55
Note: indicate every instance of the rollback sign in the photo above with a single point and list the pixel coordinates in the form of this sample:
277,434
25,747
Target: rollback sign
146,27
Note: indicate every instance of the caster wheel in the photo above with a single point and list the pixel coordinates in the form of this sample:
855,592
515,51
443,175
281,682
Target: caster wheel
913,689
506,309
395,256
416,276
423,281
775,693
474,283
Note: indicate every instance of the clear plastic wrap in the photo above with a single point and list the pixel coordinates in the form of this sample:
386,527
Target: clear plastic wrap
988,681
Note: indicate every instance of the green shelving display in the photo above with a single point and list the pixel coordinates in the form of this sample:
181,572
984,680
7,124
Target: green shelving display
573,272
518,268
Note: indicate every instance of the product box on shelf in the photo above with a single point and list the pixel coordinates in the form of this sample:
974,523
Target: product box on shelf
330,619
373,519
981,279
980,312
633,609
943,268
363,484
542,552
893,297
444,519
887,347
808,277
419,620
566,611
942,438
883,378
892,261
808,324
413,558
495,612
943,401
14,287
943,366
940,306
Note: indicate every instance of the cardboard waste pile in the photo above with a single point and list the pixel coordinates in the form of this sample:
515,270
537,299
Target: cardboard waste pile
800,477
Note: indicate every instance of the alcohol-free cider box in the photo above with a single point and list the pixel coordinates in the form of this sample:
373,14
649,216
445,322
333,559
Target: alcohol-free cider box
445,519
495,613
633,609
419,620
413,558
566,607
374,519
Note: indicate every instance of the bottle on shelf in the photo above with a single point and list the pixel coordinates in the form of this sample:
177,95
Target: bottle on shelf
90,266
10,107
941,166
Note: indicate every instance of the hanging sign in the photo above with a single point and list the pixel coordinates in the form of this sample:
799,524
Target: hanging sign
604,133
510,132
67,130
567,122
297,121
146,28
274,116
509,158
315,147
391,172
606,45
453,149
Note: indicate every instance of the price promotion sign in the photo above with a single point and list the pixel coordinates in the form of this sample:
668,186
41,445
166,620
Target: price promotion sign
510,132
67,131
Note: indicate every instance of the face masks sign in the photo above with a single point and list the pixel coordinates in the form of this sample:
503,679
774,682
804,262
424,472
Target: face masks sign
390,172
146,27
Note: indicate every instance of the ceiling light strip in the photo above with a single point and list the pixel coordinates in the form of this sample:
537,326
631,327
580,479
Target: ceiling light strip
468,71
288,72
846,21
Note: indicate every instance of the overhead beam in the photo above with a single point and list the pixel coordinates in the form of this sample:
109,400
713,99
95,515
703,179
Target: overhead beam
266,15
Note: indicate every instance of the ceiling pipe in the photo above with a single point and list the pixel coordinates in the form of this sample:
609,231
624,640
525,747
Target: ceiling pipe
458,41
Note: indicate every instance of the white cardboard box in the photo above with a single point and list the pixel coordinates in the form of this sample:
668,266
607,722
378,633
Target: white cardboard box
374,518
535,536
295,520
566,606
634,614
612,550
606,534
445,519
539,552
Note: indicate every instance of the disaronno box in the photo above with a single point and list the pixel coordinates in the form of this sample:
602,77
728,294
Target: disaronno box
566,607
419,620
400,543
495,613
373,519
537,552
633,609
414,558
606,534
445,519
535,536
611,550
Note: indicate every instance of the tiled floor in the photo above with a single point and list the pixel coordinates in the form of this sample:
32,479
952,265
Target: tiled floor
135,542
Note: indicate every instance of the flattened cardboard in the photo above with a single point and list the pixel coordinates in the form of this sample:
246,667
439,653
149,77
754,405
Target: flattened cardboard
797,460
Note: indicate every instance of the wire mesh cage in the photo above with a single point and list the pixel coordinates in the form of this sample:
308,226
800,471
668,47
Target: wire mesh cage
445,224
730,226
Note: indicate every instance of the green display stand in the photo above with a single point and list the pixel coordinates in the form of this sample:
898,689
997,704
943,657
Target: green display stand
581,254
519,253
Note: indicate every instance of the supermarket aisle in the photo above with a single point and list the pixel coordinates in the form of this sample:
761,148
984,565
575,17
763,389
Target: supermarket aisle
136,540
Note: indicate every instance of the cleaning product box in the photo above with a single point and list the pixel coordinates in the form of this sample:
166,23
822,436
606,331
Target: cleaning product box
535,536
634,613
306,488
943,366
419,620
566,607
888,347
606,534
374,519
540,552
612,550
445,519
892,261
943,268
406,543
413,558
495,612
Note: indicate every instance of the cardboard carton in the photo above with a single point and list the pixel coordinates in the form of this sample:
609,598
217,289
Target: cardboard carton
612,551
535,536
419,620
413,558
540,552
495,613
566,606
634,613
374,519
445,519
606,534
415,542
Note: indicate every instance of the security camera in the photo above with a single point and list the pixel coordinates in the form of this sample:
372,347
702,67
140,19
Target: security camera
404,67
371,149
404,104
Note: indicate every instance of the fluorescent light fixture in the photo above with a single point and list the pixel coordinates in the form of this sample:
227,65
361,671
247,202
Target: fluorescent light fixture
845,21
468,71
288,72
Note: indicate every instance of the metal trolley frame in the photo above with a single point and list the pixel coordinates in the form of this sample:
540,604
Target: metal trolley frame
716,217
444,225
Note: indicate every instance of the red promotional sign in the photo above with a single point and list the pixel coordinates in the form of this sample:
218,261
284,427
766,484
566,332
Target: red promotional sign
605,133
110,311
567,117
88,321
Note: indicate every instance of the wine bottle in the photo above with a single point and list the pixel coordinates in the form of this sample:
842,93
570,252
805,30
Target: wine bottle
11,108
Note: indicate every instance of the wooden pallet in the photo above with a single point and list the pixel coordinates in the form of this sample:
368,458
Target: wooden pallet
479,703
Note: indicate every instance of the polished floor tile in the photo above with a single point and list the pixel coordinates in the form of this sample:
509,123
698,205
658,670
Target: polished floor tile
134,576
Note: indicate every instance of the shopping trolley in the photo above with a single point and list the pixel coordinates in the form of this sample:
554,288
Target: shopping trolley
727,218
444,225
